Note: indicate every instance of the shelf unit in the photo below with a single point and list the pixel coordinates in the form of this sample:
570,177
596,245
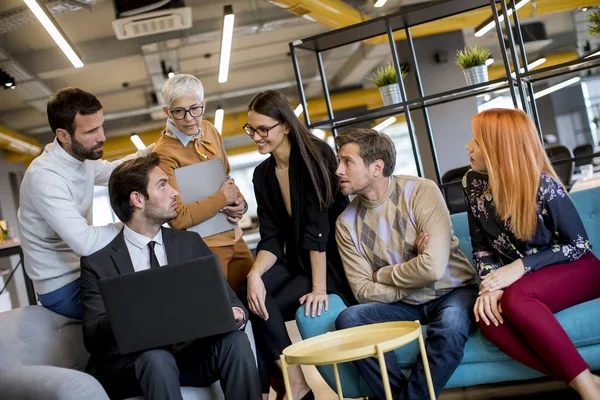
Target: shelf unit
519,84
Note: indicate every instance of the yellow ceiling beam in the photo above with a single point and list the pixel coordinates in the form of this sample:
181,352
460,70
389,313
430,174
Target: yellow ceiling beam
336,14
498,71
17,143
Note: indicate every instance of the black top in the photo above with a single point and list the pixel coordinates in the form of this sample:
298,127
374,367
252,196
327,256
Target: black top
309,227
559,238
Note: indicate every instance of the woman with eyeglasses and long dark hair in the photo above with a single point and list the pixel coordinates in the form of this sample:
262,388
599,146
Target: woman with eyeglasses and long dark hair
188,139
297,258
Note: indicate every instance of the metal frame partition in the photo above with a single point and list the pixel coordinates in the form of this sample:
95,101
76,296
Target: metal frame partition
520,84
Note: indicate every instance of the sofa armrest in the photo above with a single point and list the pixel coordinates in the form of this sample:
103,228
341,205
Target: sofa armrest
49,383
310,327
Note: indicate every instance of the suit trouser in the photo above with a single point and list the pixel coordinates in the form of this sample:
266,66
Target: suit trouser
158,374
236,261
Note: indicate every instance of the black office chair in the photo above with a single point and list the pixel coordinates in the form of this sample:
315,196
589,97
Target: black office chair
583,150
454,193
564,170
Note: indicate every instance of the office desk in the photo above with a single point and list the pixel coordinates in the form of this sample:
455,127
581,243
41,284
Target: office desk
12,248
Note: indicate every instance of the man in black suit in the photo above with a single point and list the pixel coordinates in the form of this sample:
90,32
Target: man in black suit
142,198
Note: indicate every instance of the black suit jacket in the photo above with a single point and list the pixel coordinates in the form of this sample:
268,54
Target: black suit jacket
310,227
114,260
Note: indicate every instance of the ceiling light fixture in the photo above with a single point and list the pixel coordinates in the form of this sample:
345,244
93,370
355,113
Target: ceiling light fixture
47,21
226,40
380,3
298,110
385,124
7,81
137,141
556,87
490,23
219,116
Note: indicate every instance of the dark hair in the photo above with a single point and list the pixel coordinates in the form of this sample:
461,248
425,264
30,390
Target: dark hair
373,146
65,104
129,177
273,104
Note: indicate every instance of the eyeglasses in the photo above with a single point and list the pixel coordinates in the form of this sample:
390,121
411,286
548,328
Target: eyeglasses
179,113
262,132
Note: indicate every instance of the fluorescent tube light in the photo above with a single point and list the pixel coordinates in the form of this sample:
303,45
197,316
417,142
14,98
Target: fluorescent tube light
489,26
537,63
226,43
46,20
532,65
556,87
137,141
593,55
320,133
219,115
380,3
298,110
385,124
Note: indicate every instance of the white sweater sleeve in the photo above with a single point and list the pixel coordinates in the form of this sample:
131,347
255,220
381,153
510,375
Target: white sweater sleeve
105,168
55,204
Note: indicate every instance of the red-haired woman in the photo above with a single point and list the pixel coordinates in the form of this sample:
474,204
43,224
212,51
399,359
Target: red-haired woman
529,246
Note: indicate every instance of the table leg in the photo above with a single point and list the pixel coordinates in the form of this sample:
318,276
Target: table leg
286,378
384,374
426,367
338,383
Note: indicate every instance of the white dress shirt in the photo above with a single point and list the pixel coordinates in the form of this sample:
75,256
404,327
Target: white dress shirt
139,252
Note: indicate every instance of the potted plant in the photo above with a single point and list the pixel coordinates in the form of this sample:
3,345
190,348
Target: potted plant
594,18
472,61
386,80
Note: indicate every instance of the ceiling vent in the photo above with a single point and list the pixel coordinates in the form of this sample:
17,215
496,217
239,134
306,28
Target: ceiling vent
137,18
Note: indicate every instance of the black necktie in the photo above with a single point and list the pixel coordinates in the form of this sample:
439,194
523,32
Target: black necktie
153,260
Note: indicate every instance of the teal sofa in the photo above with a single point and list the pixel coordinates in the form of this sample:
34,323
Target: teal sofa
482,362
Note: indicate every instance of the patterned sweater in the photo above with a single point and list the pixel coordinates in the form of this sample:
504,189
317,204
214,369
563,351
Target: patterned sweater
380,236
560,236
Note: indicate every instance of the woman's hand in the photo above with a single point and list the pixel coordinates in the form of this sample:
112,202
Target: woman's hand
316,299
256,296
487,307
235,212
503,277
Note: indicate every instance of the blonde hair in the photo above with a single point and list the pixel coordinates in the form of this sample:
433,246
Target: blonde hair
515,159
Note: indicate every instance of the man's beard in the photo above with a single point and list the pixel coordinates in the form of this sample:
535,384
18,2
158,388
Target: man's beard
86,153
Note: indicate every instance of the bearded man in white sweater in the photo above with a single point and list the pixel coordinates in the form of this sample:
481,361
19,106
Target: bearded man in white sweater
55,214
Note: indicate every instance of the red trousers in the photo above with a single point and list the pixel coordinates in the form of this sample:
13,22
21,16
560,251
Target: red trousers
531,333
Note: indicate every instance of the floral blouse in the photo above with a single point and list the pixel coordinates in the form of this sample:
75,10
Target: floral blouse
560,236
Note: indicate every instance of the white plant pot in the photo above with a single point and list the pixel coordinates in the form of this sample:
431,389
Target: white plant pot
390,94
476,75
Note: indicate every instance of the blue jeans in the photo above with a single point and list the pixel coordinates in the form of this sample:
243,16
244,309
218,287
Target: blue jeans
65,300
449,321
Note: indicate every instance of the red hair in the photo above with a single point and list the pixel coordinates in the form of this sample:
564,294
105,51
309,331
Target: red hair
515,159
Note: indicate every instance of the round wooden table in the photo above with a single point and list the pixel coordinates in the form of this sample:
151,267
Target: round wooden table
354,344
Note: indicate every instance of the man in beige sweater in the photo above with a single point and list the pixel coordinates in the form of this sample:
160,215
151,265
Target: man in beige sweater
402,262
